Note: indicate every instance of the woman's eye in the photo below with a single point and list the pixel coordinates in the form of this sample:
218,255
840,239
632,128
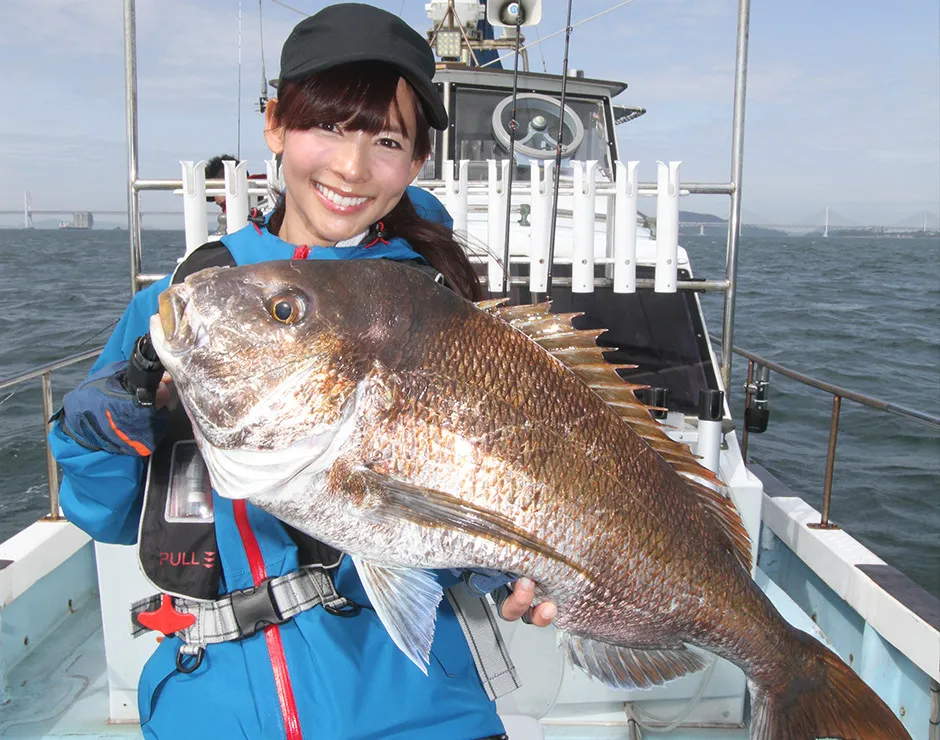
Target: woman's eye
286,309
390,143
327,126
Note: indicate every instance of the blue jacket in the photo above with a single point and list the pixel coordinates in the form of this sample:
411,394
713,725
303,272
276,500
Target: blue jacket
338,677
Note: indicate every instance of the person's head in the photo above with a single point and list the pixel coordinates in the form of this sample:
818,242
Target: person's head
215,170
355,101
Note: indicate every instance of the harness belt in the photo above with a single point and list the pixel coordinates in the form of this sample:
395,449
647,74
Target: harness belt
241,614
490,654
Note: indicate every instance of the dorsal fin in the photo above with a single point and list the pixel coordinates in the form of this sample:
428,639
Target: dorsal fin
729,521
577,350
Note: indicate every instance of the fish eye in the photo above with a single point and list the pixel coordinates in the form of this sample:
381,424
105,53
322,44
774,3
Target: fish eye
286,309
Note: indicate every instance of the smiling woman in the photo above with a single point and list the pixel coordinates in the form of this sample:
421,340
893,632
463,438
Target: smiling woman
351,128
351,139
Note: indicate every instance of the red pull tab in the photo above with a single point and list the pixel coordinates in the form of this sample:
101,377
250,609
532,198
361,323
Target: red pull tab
166,619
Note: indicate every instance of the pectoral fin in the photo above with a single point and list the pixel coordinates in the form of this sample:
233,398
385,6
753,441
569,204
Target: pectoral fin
406,601
431,508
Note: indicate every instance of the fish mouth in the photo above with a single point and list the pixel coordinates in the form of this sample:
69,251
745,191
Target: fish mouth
178,327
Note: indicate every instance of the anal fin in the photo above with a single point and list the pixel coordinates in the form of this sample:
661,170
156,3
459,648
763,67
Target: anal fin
627,667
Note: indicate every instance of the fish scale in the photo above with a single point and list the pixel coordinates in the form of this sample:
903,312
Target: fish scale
491,437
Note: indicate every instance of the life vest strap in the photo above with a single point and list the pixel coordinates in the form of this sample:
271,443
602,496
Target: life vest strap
490,653
240,614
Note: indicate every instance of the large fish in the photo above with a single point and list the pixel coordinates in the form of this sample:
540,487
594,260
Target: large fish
375,410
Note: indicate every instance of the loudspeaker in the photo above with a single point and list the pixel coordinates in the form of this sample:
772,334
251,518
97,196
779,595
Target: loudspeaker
507,12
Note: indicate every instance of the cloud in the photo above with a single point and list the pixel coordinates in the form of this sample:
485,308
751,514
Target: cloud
851,116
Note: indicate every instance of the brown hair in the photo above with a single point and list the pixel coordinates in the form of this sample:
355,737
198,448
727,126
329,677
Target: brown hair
361,96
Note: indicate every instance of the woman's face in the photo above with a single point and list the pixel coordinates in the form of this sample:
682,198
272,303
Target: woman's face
339,182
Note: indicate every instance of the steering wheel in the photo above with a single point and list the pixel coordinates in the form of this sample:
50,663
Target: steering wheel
538,117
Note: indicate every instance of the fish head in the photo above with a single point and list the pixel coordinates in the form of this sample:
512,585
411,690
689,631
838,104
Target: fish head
260,355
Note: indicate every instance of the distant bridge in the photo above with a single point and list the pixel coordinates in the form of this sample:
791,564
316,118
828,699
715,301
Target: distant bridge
803,227
96,212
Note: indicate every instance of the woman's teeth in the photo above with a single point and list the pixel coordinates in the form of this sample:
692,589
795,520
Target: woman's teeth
340,200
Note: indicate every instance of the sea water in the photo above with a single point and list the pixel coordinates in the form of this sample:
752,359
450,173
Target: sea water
860,312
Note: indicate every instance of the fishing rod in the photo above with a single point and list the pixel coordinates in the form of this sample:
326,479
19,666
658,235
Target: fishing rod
513,125
238,117
558,147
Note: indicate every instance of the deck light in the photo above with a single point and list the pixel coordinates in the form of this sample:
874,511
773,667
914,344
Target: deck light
447,45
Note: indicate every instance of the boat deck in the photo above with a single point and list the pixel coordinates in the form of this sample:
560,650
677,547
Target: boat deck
62,690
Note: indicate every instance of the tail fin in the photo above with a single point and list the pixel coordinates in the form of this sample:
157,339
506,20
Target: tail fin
835,703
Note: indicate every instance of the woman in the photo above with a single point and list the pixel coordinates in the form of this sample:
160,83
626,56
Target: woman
351,127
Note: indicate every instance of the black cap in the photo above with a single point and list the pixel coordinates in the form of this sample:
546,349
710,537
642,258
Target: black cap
353,32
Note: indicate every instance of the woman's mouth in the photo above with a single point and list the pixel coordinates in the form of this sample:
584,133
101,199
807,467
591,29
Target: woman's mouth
337,201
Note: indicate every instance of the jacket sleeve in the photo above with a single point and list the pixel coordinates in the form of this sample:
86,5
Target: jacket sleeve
101,492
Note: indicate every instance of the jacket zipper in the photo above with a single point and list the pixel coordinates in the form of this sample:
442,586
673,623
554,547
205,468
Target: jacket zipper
272,634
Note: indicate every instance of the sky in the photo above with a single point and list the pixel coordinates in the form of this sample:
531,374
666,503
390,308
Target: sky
843,105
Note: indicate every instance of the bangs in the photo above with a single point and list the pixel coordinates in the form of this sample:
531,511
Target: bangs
360,96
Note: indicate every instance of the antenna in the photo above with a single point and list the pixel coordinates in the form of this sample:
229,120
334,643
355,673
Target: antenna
263,100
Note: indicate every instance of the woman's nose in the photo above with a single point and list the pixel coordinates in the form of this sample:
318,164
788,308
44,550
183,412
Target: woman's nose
352,158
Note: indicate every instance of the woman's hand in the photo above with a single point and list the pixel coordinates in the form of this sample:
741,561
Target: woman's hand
519,604
165,396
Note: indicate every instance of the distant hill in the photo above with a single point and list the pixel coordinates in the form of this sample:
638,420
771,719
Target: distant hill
720,228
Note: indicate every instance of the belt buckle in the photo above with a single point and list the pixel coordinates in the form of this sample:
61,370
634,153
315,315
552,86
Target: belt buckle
254,609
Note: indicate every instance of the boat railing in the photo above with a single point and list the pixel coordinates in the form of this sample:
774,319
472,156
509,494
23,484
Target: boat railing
755,400
755,410
44,372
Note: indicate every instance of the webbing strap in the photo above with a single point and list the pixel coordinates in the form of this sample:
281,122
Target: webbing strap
490,654
216,621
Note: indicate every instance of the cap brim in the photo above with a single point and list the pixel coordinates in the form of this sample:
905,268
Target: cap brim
425,89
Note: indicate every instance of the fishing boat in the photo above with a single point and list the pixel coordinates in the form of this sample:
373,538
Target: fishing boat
540,220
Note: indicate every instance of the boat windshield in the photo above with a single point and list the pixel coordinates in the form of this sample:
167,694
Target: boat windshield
482,130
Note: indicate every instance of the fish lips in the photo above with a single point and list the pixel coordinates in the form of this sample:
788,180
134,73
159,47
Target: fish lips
177,328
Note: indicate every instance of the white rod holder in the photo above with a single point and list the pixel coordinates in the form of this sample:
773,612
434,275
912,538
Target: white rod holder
455,193
195,221
582,251
625,228
540,230
708,446
667,227
236,195
498,195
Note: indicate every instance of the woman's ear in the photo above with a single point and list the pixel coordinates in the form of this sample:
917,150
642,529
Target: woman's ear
273,131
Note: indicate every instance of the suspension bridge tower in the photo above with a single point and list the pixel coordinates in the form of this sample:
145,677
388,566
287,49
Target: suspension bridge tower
27,211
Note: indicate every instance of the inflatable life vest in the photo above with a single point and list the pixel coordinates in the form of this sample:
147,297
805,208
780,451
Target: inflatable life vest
176,542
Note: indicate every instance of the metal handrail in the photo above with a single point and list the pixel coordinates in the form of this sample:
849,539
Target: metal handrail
45,372
837,393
